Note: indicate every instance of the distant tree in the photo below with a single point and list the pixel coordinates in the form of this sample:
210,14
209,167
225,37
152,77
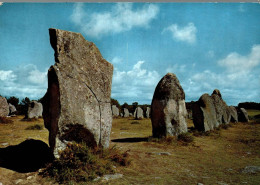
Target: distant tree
13,100
249,105
23,106
115,102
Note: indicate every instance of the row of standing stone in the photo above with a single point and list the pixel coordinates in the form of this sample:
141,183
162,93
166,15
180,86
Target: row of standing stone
138,113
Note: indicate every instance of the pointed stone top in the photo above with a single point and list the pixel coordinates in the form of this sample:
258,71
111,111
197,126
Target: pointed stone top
217,92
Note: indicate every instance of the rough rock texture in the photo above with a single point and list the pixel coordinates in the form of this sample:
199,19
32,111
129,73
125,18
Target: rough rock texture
77,103
222,110
217,92
242,115
233,114
4,107
12,109
126,113
115,110
139,113
34,110
168,109
148,112
204,114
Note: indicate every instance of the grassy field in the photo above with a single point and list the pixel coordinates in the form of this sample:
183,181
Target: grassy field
217,158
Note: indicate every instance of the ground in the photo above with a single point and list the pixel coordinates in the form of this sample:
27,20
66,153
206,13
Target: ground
217,158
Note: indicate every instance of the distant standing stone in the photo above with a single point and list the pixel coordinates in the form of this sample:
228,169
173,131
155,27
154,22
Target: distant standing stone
126,113
12,109
147,112
115,110
4,107
168,109
77,103
233,114
139,113
242,115
34,110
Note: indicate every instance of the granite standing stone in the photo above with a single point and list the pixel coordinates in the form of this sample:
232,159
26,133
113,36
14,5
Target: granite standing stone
4,107
12,109
77,103
168,109
126,113
242,115
35,110
139,113
115,110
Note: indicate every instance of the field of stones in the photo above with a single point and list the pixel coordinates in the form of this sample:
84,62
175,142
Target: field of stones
77,134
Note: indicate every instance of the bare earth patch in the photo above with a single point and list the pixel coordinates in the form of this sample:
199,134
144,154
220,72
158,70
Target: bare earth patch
217,158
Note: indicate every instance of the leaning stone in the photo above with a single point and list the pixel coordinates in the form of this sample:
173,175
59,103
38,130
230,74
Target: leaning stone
204,114
34,110
77,103
242,115
168,109
12,109
139,113
115,110
4,107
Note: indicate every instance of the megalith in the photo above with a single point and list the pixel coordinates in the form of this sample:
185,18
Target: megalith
4,107
126,113
115,110
35,110
233,114
147,112
204,113
77,103
12,109
168,109
242,115
139,113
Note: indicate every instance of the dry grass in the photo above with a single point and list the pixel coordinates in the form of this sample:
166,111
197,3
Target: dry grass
213,158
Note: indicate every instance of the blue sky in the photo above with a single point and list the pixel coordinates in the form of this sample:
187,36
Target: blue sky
207,45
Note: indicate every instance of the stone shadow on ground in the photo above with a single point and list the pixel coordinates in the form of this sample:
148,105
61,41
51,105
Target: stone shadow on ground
131,140
28,156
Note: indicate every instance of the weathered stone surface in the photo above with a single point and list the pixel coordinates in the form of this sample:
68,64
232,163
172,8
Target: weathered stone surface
168,110
34,110
204,114
233,114
217,92
4,107
139,113
115,110
222,110
242,115
12,109
126,113
148,112
77,103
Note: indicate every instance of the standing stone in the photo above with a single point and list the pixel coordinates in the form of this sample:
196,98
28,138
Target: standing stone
242,115
77,103
126,113
204,114
147,112
139,113
222,110
130,114
34,110
233,114
168,110
4,107
115,110
12,109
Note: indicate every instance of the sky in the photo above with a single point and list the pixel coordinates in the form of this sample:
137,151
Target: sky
207,45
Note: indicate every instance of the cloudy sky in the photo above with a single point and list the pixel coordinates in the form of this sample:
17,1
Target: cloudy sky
207,45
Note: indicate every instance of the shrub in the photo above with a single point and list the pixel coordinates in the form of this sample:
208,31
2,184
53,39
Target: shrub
185,137
4,120
34,127
78,163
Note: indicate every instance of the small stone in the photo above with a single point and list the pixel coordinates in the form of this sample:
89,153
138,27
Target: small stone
18,181
112,177
5,144
251,169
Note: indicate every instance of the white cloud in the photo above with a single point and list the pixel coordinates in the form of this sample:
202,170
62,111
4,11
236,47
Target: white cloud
122,17
137,83
23,81
1,3
185,34
239,81
117,60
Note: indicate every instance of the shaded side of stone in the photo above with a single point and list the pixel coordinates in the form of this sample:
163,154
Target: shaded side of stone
233,114
242,115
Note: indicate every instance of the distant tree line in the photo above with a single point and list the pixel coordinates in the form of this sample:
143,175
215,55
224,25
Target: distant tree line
131,108
249,105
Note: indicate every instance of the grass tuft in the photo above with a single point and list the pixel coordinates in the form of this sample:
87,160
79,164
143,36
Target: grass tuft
135,122
78,163
4,120
34,127
185,137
